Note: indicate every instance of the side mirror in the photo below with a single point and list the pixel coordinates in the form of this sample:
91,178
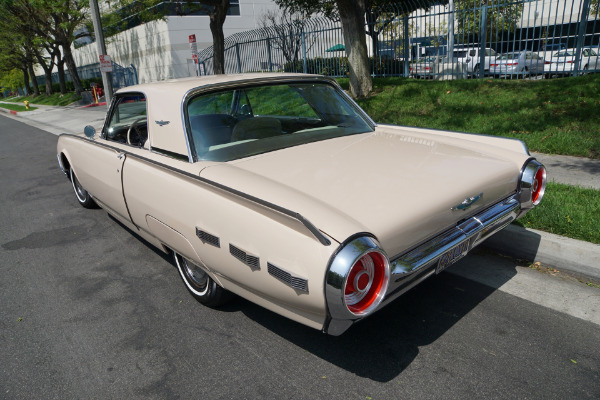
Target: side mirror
89,131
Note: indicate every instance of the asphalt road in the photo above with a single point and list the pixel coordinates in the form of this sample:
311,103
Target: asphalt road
88,310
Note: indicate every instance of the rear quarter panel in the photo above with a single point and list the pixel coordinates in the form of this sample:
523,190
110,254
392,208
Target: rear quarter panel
184,204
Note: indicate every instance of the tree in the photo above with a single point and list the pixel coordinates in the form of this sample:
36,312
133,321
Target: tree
52,23
287,29
12,80
145,11
352,16
595,8
16,49
501,18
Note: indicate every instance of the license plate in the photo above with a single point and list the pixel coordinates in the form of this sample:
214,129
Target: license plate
452,256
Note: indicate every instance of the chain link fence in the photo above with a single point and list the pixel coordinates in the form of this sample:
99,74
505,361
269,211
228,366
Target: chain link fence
453,40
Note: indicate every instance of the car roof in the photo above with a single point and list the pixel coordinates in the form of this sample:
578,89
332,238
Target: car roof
164,101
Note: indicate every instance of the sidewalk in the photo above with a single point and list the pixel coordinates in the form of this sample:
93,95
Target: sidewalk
575,256
57,119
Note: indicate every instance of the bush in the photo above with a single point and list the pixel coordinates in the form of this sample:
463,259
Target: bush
338,66
68,84
86,83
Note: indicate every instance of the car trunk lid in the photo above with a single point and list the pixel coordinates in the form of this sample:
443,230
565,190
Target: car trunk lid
400,186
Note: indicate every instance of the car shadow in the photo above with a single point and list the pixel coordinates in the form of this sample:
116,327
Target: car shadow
383,345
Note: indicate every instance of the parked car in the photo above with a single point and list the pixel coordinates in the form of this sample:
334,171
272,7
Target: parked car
470,56
425,67
517,64
280,189
563,62
548,50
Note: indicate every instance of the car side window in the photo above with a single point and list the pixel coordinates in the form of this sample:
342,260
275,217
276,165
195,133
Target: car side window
472,53
128,121
586,53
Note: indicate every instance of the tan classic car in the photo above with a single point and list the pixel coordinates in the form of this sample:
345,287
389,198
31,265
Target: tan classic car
280,189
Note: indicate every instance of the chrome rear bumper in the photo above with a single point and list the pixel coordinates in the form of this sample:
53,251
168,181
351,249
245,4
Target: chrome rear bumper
417,264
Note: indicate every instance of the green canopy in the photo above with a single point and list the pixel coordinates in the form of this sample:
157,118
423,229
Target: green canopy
337,47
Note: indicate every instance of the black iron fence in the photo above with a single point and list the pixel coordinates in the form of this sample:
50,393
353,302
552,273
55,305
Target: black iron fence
121,76
451,40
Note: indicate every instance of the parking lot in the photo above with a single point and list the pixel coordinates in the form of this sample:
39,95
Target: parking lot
91,311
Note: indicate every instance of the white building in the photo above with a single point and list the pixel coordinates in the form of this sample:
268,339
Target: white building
161,50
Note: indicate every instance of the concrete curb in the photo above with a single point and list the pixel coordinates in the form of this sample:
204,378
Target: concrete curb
7,111
565,254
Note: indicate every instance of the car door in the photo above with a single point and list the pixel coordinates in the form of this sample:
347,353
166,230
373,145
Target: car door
104,160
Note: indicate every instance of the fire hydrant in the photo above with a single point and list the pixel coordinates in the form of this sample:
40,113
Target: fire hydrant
26,104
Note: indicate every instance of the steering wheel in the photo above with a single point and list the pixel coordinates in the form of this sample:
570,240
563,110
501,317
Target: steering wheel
138,138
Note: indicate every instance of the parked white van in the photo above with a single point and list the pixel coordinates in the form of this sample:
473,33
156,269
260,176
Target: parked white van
470,56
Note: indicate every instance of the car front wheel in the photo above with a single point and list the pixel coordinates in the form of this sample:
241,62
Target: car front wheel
83,197
202,286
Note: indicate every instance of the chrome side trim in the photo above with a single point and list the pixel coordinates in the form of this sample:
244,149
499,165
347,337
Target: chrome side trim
248,259
297,216
208,238
292,281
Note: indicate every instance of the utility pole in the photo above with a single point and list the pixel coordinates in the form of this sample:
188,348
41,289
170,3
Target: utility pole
106,76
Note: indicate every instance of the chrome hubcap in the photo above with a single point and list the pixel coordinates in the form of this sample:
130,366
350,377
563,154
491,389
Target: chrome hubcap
197,276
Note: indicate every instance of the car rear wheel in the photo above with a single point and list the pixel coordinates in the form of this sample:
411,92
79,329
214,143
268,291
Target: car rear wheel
202,286
83,197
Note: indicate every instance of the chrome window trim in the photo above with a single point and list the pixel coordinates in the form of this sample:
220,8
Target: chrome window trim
292,214
113,104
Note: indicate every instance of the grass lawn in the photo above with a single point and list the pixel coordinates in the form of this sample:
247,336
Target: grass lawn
16,107
567,211
55,99
554,116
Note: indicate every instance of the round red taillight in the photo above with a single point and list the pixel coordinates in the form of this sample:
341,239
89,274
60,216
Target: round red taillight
366,283
539,186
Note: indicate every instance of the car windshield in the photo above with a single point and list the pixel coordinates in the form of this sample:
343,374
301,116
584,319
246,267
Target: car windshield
508,56
565,53
237,123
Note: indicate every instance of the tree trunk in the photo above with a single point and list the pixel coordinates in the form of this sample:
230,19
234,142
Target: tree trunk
34,83
217,19
60,66
68,58
352,16
47,72
26,80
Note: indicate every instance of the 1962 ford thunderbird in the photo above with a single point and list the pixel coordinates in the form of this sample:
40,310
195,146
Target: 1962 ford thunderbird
280,189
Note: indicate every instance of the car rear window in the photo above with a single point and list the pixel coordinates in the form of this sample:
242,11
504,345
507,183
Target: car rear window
241,122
